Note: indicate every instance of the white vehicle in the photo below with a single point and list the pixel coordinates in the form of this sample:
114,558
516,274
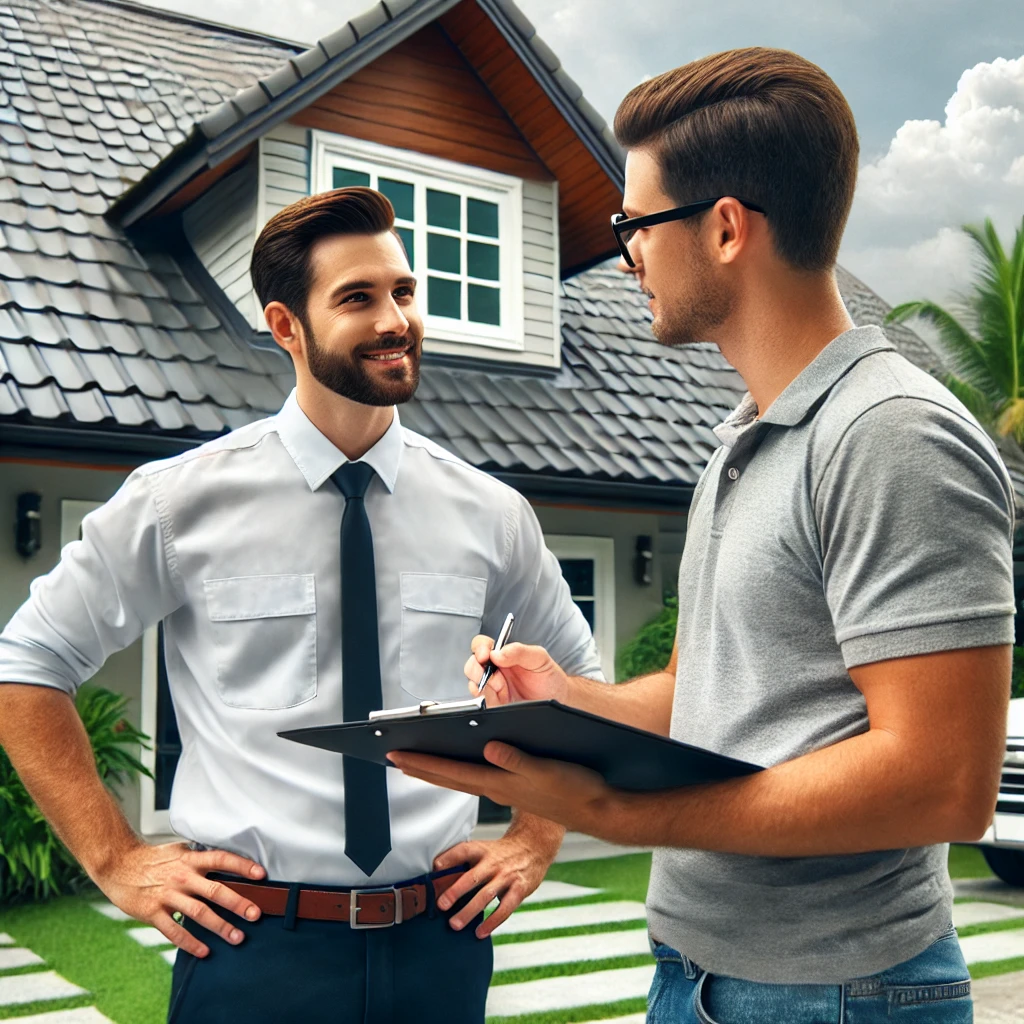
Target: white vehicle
1003,843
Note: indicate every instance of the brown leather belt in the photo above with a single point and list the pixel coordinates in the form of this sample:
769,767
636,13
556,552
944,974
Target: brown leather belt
359,908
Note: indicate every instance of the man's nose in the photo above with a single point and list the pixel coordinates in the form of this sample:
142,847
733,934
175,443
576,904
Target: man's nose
392,320
623,266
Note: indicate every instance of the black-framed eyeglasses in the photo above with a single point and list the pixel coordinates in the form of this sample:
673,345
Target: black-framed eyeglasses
625,227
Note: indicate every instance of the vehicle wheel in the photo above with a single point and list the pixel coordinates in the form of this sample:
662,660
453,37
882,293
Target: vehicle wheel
1006,864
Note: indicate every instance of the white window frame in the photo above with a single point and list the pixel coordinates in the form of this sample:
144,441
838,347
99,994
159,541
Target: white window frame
328,150
151,821
602,551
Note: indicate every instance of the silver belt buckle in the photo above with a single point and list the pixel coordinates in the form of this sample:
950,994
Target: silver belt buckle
353,907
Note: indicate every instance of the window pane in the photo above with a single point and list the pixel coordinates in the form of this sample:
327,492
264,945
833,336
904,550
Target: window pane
444,210
587,607
406,236
400,194
343,178
482,218
579,574
444,297
484,305
443,253
482,260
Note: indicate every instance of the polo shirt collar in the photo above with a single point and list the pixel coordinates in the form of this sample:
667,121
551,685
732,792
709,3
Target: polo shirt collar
317,458
812,383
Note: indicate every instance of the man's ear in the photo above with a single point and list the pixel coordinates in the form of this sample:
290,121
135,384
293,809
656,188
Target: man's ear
285,328
730,221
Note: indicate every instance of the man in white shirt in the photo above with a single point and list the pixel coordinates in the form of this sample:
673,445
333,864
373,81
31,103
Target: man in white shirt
273,623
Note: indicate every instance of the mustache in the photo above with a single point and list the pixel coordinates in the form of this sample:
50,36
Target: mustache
385,344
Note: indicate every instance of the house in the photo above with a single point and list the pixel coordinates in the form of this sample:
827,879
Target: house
141,154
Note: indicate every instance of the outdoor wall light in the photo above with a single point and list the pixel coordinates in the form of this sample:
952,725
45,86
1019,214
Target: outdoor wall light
644,560
28,527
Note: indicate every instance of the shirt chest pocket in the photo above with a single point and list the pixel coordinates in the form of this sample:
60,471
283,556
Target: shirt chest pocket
264,639
440,616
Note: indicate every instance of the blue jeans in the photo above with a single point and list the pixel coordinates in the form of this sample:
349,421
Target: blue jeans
933,987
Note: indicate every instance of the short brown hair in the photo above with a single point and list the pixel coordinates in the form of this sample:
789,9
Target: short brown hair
280,266
758,124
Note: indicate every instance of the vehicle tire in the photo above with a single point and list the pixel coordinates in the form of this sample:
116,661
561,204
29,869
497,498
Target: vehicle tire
1006,864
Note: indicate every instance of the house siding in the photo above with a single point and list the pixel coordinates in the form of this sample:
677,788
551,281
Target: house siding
220,227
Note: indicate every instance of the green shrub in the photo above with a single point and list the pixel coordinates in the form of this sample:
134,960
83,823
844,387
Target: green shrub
1017,683
34,863
651,649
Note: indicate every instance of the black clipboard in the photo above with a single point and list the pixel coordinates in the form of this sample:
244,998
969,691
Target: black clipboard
627,758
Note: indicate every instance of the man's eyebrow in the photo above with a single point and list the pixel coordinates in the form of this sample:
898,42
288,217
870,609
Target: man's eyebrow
352,286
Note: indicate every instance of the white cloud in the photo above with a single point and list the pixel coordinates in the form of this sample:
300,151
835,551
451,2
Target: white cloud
904,239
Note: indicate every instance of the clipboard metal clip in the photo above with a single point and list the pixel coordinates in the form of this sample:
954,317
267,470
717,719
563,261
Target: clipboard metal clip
428,707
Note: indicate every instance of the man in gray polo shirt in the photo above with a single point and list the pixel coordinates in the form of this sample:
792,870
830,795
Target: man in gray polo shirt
845,595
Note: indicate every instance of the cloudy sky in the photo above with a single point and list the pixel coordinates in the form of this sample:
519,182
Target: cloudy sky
937,87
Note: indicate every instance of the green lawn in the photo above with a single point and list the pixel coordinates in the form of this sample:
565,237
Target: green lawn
130,983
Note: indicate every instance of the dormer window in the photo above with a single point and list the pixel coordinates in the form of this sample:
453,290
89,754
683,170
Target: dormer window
462,230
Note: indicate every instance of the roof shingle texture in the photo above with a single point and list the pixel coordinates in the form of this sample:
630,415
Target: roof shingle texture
95,332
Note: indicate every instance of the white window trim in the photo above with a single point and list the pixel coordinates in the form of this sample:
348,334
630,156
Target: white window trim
602,551
505,190
151,821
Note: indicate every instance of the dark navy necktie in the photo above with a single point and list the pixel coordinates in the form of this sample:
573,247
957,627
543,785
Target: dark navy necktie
367,820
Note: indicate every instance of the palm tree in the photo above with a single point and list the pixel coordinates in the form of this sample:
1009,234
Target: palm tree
985,338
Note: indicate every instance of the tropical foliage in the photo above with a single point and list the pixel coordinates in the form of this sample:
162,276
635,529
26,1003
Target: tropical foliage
983,333
34,863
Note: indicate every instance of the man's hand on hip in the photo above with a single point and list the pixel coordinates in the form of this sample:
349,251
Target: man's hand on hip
151,883
507,869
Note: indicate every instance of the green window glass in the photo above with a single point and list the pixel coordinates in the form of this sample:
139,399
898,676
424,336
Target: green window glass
444,210
400,193
484,305
406,236
444,297
482,260
443,253
343,178
482,218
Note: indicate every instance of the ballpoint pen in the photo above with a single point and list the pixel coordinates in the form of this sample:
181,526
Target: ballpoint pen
503,636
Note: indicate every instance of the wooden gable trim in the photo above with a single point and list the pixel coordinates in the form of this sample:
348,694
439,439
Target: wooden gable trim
588,197
424,96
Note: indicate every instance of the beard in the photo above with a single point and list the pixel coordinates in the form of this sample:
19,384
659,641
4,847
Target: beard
347,373
708,303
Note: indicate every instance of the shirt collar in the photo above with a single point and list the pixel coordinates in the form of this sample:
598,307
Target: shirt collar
317,458
812,383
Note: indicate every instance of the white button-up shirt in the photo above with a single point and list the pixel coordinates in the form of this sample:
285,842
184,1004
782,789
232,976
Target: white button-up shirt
235,545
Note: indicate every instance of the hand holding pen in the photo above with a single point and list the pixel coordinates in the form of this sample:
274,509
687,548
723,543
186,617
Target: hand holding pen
526,672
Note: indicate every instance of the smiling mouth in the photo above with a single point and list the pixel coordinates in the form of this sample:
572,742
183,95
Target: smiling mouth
388,357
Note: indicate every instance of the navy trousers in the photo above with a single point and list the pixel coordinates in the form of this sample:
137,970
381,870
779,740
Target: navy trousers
324,972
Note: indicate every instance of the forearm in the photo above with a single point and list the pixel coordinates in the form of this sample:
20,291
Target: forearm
47,744
645,703
862,794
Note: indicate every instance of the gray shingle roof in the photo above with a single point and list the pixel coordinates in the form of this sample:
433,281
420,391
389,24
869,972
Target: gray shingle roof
97,333
92,330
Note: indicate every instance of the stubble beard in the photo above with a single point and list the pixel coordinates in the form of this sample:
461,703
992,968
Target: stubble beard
346,374
694,316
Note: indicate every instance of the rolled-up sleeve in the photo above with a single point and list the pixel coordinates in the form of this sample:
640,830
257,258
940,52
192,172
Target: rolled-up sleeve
532,586
107,588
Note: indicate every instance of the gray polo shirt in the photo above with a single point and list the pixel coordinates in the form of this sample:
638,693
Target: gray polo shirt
865,516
